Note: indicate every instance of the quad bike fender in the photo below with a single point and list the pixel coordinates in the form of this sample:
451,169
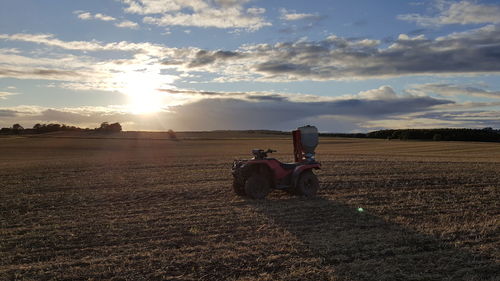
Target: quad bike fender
258,166
300,169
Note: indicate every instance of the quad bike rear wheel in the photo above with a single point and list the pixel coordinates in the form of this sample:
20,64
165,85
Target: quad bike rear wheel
307,185
257,186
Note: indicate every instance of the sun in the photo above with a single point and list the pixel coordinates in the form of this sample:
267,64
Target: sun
145,102
142,91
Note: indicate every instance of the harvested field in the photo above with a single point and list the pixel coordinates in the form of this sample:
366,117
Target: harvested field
144,209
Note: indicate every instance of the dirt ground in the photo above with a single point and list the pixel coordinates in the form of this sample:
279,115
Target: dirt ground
157,209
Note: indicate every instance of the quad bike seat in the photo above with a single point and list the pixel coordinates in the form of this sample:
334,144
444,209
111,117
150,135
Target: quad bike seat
289,166
286,166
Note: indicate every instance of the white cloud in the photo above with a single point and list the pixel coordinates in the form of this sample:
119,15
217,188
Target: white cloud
85,16
292,16
84,72
202,13
145,7
465,53
127,24
102,17
463,12
51,67
88,16
384,92
4,95
50,40
167,31
333,58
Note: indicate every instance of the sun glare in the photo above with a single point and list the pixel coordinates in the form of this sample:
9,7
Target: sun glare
146,102
142,92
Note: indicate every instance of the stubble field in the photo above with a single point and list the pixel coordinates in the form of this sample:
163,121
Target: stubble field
148,209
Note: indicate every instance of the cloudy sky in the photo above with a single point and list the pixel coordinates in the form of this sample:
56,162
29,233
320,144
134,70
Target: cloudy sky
343,65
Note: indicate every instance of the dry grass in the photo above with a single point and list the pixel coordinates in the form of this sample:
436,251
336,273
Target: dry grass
93,209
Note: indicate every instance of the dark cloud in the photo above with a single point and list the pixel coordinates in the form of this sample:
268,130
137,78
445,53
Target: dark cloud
247,111
7,113
280,67
475,51
191,92
208,57
255,96
471,52
267,97
234,113
225,54
479,52
172,62
76,117
447,89
39,73
379,108
470,119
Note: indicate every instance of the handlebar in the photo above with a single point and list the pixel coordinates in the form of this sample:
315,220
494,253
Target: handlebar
261,154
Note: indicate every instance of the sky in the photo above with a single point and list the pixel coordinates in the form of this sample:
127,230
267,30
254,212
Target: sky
342,65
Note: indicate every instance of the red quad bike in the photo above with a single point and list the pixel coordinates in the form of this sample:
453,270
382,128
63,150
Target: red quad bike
256,177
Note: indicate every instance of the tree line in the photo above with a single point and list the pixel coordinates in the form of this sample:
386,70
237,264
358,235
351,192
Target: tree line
38,128
446,134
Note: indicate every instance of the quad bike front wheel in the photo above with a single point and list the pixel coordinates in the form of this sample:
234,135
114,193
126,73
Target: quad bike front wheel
257,186
238,188
307,185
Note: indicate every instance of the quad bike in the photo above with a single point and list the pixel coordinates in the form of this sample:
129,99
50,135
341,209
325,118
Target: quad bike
258,176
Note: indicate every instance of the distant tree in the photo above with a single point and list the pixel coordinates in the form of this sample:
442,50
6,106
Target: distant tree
6,131
17,128
437,137
114,128
54,127
404,135
394,135
171,134
104,126
110,128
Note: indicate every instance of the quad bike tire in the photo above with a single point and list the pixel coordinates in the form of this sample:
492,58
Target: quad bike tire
238,188
307,185
257,186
